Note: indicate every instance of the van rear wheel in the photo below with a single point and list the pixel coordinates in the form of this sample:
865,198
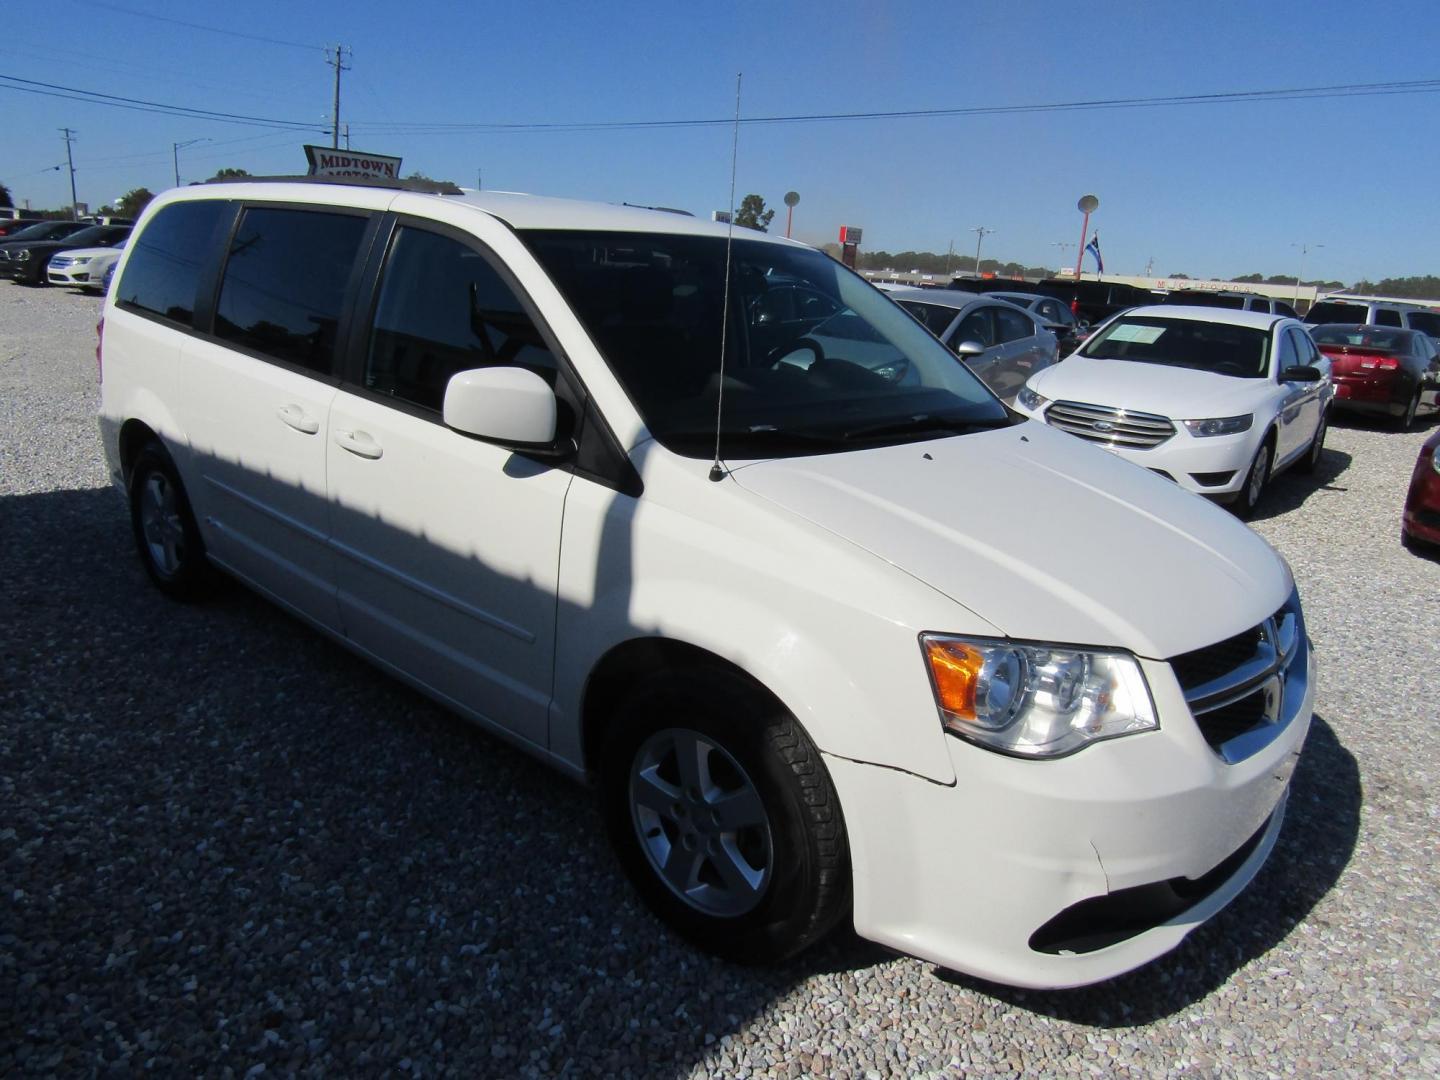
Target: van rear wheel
166,535
723,816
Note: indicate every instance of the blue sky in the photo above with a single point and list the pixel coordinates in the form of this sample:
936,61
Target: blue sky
1216,189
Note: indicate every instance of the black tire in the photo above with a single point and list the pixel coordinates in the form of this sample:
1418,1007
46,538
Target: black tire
751,747
1311,460
166,536
1256,477
1406,421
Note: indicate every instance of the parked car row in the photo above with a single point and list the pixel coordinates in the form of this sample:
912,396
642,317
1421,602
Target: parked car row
25,257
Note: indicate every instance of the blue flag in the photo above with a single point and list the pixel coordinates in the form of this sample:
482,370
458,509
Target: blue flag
1093,247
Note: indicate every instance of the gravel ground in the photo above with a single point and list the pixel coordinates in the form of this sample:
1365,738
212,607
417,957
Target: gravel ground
227,846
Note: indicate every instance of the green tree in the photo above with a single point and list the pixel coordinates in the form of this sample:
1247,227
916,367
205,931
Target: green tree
132,202
752,213
225,174
5,199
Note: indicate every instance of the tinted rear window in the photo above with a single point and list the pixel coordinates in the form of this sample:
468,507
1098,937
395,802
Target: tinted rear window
164,266
1368,338
285,283
1328,311
1203,299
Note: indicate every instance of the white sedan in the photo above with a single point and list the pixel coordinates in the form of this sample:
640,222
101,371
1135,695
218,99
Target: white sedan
83,268
1218,401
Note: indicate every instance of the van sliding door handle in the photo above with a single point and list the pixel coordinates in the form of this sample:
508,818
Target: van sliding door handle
298,418
358,443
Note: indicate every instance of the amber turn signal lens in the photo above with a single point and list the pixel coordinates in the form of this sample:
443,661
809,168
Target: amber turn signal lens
956,667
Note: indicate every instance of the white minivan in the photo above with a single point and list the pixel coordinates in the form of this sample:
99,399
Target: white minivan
831,644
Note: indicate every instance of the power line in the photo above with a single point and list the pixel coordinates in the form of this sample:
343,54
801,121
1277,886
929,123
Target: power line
1418,86
140,105
197,26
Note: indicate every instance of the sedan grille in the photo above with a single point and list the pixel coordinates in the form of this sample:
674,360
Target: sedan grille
1110,426
59,262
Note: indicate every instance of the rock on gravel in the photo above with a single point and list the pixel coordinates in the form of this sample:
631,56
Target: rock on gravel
228,846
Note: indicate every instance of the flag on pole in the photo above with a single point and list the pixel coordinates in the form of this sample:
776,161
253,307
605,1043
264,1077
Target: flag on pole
1093,247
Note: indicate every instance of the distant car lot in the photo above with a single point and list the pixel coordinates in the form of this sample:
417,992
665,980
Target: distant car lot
221,816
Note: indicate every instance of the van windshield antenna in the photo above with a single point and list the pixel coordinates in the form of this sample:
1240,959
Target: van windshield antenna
717,473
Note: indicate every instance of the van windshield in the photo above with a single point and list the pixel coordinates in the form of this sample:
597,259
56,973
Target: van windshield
816,359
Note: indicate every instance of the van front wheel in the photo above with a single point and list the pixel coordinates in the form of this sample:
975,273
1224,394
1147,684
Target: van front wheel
723,816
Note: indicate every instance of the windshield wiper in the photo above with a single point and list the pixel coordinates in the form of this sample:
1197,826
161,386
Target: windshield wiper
924,422
770,438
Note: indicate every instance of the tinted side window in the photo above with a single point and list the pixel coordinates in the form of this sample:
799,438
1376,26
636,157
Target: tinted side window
1427,321
1387,317
164,266
1282,308
974,327
935,317
1258,303
1012,325
285,282
1288,356
443,308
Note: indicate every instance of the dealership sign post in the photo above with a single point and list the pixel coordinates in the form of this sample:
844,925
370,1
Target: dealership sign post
325,161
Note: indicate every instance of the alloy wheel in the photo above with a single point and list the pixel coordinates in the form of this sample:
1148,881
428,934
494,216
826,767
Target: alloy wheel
701,822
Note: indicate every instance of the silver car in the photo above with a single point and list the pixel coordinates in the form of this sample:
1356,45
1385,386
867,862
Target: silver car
998,341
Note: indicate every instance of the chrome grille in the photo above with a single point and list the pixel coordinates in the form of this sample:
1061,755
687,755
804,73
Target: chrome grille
60,262
1110,426
1242,691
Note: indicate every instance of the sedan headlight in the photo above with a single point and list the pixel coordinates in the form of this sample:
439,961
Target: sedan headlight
1031,400
1036,701
80,262
1219,425
23,255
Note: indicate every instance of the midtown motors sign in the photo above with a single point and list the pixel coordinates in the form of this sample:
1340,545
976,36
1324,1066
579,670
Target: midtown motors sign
351,163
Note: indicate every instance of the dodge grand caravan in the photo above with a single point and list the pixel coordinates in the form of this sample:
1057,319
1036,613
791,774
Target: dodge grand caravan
808,626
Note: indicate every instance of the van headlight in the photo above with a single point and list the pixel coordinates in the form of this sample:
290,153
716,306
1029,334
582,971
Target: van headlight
1029,399
1219,425
1036,701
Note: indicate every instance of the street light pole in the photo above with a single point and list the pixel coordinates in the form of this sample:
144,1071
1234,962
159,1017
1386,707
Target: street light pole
1087,205
1304,250
980,232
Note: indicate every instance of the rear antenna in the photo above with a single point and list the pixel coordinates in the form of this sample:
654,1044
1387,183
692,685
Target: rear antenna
716,472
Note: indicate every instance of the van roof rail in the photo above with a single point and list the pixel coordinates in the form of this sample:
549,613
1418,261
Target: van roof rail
429,187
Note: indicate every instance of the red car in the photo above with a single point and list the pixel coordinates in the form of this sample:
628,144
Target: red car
1381,369
1420,524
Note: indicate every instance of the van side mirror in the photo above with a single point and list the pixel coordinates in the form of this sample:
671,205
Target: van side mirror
1301,373
511,406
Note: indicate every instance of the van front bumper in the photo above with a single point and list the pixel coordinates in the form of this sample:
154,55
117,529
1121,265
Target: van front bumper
1066,872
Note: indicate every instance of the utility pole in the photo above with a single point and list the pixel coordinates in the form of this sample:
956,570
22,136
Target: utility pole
980,232
70,160
950,259
338,63
175,149
1304,247
347,136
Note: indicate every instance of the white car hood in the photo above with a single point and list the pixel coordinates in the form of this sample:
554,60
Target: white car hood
1042,536
1182,393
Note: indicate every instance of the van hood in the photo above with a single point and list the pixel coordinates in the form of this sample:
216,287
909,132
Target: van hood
1043,536
1177,392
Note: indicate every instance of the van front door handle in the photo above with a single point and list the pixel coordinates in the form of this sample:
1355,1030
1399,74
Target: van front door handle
358,443
297,418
